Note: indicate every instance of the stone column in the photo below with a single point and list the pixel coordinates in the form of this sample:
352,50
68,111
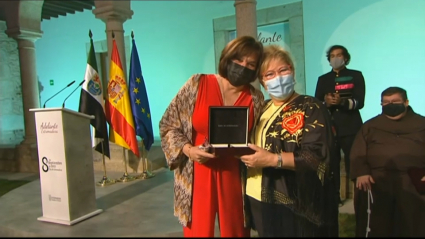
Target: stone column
29,82
114,14
246,18
115,25
246,21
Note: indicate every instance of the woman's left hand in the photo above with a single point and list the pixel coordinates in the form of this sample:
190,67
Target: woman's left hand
260,159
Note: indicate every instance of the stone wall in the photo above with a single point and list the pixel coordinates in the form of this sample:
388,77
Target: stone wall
11,109
155,156
9,160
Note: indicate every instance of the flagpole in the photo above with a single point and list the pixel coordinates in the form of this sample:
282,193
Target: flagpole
140,108
125,177
105,181
146,173
91,104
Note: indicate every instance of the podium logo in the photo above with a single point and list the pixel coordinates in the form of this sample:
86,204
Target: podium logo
50,165
48,128
45,167
54,199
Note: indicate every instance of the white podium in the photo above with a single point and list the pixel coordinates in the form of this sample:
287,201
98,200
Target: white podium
66,165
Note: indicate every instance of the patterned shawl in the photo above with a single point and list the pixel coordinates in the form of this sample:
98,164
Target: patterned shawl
176,131
302,127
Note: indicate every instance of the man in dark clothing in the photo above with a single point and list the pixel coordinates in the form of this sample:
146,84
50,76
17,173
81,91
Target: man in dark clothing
389,200
342,90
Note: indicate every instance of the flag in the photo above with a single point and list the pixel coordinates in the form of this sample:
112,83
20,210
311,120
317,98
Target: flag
117,107
139,100
92,102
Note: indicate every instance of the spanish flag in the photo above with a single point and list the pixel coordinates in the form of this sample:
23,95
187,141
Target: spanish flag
118,108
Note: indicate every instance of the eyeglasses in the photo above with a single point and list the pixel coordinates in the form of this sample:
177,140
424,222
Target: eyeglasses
282,71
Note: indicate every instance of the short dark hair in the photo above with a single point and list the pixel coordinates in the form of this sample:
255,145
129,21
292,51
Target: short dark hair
237,49
344,53
394,90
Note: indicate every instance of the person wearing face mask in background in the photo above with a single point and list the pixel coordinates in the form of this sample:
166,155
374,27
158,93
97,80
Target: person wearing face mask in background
206,186
342,90
289,188
387,151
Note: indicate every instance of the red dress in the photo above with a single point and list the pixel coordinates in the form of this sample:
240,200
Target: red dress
217,183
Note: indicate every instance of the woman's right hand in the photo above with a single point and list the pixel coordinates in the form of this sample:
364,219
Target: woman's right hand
199,155
364,182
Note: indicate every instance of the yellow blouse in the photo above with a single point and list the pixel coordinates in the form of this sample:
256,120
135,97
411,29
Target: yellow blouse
253,184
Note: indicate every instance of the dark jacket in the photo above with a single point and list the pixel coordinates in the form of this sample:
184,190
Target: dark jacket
302,127
350,85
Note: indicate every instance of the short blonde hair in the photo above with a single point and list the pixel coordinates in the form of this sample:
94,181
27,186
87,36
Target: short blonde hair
274,52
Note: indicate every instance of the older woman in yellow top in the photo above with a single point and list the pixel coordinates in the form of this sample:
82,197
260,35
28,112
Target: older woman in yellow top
289,185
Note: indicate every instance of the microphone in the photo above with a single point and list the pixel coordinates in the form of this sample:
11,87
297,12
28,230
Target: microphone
44,106
63,105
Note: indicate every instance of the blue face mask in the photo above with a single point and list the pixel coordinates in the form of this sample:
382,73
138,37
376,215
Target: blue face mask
281,87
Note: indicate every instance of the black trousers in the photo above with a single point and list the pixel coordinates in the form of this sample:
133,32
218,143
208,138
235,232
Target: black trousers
343,143
271,220
256,215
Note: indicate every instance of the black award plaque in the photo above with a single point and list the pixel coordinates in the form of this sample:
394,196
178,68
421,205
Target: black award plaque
228,126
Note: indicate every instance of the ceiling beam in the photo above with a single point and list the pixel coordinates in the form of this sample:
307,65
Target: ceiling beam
73,4
56,11
87,4
53,7
49,14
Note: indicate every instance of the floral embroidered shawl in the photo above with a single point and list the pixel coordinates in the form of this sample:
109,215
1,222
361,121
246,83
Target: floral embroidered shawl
302,127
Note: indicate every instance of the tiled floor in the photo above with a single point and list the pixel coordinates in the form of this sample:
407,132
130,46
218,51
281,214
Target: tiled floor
140,208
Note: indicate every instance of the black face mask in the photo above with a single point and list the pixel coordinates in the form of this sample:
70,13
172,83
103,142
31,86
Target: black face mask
239,75
393,109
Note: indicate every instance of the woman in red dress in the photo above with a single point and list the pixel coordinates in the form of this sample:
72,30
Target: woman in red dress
206,185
